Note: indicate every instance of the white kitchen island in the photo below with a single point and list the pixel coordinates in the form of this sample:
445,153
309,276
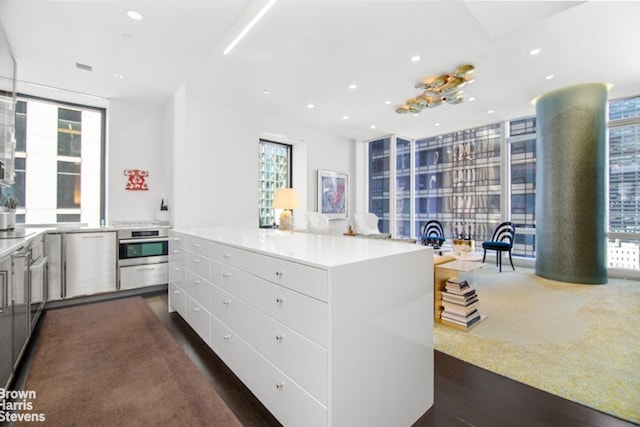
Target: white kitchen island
324,330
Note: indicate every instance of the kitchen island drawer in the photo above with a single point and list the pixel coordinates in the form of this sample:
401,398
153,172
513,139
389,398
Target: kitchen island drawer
197,263
232,349
197,245
231,280
199,289
298,277
234,312
199,319
229,255
285,399
298,357
177,300
301,313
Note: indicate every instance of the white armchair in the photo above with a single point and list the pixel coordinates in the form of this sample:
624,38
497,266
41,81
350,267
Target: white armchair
318,223
366,224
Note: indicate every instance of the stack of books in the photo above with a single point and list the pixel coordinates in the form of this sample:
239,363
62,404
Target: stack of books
460,303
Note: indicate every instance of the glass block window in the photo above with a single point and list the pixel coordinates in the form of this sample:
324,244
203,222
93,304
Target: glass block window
379,176
275,171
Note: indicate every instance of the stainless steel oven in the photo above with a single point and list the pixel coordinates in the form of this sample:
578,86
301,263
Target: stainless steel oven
143,256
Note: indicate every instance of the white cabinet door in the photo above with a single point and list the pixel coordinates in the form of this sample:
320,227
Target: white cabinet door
90,263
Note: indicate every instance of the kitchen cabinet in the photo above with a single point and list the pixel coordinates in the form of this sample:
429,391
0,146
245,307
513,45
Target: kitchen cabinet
20,299
53,249
6,322
14,310
90,263
312,324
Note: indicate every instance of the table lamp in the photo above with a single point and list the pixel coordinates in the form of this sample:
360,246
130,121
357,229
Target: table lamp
286,199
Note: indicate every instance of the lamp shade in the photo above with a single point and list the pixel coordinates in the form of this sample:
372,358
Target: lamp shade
286,198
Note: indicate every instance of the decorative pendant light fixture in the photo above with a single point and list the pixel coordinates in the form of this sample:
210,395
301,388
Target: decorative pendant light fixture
439,89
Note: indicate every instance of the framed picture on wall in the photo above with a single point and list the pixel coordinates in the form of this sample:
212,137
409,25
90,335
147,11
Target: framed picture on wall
333,194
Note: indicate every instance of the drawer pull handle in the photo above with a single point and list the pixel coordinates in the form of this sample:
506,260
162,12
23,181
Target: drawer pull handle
196,245
226,275
196,282
280,300
176,251
196,261
280,385
176,269
279,273
197,309
176,292
226,256
279,337
226,337
226,302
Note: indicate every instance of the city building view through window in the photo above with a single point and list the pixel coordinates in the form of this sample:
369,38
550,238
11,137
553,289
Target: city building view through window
461,180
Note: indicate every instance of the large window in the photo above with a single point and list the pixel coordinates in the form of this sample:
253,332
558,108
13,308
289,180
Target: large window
379,175
275,171
624,183
457,181
522,145
58,167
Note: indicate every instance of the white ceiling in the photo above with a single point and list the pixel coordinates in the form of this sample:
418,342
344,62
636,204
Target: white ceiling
309,51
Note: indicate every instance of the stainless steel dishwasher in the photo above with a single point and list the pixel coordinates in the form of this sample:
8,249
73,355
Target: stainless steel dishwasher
90,262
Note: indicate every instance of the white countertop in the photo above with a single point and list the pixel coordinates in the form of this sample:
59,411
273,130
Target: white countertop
314,249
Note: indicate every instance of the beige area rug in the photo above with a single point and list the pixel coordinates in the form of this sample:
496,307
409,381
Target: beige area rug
114,364
580,342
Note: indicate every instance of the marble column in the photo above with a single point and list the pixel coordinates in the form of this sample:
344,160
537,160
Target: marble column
571,184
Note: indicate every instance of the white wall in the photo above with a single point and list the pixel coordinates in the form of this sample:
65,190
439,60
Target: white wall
215,160
138,137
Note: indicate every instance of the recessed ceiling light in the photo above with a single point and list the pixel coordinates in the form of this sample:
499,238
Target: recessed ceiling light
437,124
387,102
265,92
353,86
415,114
372,126
534,52
415,58
135,15
490,111
118,76
345,117
473,98
310,106
549,77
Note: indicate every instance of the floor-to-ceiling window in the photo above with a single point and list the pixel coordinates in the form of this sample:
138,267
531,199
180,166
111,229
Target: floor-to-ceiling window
403,188
379,172
458,179
275,171
624,183
58,163
522,146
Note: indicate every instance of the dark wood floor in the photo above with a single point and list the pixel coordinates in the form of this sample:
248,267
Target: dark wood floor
465,395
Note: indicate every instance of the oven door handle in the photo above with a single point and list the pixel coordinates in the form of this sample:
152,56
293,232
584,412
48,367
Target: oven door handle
149,240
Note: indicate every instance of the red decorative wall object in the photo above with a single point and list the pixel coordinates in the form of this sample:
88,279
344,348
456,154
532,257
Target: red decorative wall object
136,179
